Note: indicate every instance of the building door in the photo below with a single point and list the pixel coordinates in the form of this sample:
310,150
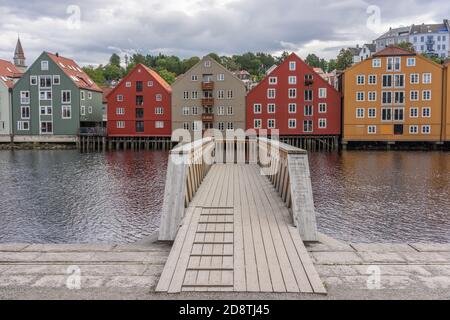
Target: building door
398,129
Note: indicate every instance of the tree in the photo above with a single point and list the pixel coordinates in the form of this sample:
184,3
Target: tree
281,58
406,46
344,59
186,64
115,60
167,75
215,56
434,58
113,72
96,74
332,65
313,61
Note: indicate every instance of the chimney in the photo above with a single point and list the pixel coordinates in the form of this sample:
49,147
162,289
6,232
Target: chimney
57,54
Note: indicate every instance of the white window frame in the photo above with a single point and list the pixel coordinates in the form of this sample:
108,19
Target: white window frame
323,93
413,129
120,124
427,78
20,125
63,108
221,77
376,63
322,123
292,121
360,113
83,110
292,106
271,124
257,108
426,112
372,129
416,111
257,124
271,90
372,96
25,100
33,80
159,110
370,77
21,112
150,83
372,113
411,62
62,96
360,79
44,65
416,95
120,111
90,109
185,111
424,93
294,91
414,76
292,80
56,83
292,65
158,97
159,124
363,96
426,131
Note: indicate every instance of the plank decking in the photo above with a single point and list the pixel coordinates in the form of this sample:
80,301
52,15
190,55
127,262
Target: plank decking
238,235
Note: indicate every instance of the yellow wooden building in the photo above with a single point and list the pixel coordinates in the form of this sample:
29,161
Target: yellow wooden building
446,116
394,96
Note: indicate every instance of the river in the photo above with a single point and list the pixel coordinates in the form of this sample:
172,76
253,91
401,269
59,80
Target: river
68,197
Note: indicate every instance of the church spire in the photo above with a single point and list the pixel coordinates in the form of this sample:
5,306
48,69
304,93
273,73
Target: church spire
19,56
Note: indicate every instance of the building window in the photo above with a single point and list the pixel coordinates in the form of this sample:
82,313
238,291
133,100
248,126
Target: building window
322,108
229,111
158,97
229,94
414,95
307,126
185,111
399,97
397,63
399,81
120,111
273,80
399,114
426,95
414,112
292,65
308,111
386,114
149,83
45,82
194,95
46,110
292,80
186,125
308,95
360,80
371,129
220,111
139,113
292,93
390,64
83,110
426,78
56,80
257,108
23,125
413,129
120,124
322,93
33,80
220,77
372,96
257,123
386,97
159,110
128,84
322,123
426,112
271,108
426,129
359,113
45,95
372,113
66,96
90,95
159,124
46,127
194,77
66,112
25,97
207,64
271,123
360,96
376,63
271,93
220,94
292,123
44,65
90,109
387,81
411,62
194,111
25,112
372,79
292,108
414,78
230,126
186,95
119,97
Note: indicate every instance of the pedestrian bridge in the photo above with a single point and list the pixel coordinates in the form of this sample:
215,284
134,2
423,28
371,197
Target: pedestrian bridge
238,212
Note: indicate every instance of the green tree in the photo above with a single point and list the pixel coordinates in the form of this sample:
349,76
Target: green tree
113,72
344,59
215,56
434,58
406,46
96,74
167,75
313,61
332,65
115,60
281,58
186,64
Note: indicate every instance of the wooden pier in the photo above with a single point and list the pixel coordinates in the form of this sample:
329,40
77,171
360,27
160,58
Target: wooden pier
238,211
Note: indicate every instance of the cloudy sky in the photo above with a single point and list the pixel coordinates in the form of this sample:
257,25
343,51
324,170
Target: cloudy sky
89,31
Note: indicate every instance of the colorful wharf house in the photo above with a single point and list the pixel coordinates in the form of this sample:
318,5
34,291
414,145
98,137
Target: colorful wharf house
446,113
140,105
394,96
298,102
9,74
54,101
208,96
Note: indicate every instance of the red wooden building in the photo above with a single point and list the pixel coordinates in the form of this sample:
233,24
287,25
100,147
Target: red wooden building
295,100
140,105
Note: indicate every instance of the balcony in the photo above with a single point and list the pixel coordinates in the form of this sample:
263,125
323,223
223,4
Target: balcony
208,102
207,117
207,85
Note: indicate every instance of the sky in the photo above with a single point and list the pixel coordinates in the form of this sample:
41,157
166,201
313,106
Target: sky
89,31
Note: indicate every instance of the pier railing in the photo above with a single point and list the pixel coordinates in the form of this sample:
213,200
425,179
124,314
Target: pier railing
286,167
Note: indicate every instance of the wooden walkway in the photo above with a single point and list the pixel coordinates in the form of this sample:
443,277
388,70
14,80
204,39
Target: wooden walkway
238,235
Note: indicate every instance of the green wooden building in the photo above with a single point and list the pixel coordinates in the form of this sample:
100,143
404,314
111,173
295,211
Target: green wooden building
55,100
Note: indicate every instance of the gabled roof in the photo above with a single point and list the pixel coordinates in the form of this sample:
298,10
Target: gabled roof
150,71
354,51
428,28
8,72
371,46
396,32
393,51
106,92
74,72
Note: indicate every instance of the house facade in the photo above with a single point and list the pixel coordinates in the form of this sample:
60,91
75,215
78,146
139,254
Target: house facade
446,113
432,39
367,50
295,100
208,96
392,37
53,100
393,96
140,105
9,74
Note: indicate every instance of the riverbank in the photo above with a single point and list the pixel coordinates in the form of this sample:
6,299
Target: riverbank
408,271
38,146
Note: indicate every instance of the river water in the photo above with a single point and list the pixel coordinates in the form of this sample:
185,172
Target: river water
67,197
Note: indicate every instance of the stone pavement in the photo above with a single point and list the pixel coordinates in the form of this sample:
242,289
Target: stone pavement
349,271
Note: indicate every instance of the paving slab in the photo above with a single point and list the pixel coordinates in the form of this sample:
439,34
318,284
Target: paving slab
382,247
396,270
35,269
336,258
440,282
69,247
439,270
378,257
150,257
16,281
69,257
336,270
13,247
10,257
62,281
424,257
432,247
163,247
